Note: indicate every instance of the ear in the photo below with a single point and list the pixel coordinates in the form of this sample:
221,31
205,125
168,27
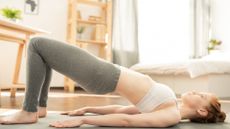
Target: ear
202,112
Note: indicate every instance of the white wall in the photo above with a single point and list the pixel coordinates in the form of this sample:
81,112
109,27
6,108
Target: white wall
52,17
221,23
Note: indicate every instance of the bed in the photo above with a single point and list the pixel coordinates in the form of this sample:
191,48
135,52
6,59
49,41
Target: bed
208,74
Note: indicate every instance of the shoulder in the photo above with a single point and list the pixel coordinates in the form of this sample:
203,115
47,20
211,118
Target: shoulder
171,114
170,110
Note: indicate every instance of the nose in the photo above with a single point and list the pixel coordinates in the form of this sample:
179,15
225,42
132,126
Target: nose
193,92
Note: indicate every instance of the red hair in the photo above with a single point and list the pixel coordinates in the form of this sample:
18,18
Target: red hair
214,113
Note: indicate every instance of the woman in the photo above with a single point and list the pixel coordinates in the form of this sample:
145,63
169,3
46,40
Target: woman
154,104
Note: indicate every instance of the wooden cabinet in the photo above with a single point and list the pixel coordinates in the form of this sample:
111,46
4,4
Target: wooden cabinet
100,25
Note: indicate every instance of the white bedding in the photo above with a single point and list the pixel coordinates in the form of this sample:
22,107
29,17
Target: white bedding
167,69
203,67
193,68
186,76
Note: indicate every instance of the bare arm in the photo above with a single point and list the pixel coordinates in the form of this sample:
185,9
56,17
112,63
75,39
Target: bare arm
110,109
161,118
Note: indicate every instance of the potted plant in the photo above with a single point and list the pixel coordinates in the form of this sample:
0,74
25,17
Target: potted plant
80,30
10,13
213,43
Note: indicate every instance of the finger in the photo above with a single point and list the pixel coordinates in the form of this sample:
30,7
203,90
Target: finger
76,113
5,122
59,124
64,113
54,124
73,113
68,125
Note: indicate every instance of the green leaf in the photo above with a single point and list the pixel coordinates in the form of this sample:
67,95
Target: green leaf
11,13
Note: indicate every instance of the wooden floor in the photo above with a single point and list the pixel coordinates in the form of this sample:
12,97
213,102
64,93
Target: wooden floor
62,101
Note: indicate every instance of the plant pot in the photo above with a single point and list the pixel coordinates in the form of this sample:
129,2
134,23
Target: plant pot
79,36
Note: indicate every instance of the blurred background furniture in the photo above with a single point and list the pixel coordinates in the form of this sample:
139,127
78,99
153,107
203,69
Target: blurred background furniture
100,25
20,34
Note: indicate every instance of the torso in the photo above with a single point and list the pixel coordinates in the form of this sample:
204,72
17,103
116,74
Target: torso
166,105
134,86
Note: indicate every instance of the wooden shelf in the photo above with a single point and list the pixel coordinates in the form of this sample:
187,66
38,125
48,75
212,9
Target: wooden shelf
90,22
91,42
93,3
101,26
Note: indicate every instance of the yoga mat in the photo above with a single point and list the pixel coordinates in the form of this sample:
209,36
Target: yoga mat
43,123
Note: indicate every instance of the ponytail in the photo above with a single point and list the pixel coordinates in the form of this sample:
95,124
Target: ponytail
221,117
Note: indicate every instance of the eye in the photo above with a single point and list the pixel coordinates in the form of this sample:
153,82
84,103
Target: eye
202,96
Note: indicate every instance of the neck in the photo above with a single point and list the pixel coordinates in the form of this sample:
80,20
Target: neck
186,112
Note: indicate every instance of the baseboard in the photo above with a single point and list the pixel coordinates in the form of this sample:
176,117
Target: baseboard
51,88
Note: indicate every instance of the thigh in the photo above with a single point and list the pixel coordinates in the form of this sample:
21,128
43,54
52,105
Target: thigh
92,73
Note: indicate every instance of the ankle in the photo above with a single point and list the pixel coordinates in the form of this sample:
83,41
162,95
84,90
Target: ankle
28,113
42,111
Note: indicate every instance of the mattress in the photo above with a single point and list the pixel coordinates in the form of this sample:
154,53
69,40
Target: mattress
179,77
214,83
193,67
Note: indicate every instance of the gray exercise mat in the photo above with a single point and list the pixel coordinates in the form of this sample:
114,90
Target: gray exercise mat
43,123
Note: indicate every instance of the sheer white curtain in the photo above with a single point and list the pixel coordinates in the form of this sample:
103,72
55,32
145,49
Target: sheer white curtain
124,38
161,30
202,27
220,19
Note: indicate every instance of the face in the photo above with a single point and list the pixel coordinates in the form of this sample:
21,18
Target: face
196,100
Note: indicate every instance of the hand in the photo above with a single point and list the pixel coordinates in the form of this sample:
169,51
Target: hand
76,122
78,112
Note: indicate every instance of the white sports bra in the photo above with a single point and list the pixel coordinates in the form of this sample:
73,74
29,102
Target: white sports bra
157,95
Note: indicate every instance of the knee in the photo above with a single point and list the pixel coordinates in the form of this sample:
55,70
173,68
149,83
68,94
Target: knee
35,40
33,44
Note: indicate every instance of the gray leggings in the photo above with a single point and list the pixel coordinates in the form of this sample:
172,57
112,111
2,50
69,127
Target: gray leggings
93,74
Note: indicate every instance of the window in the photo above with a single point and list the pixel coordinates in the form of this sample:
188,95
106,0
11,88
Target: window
165,30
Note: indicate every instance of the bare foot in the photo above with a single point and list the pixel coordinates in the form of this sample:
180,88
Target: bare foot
42,112
20,117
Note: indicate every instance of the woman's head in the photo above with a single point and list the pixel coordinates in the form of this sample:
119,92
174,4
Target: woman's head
206,106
